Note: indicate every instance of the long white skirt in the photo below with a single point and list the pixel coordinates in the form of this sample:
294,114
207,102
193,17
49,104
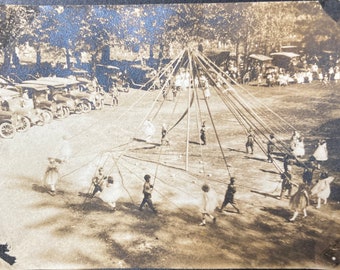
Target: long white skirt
111,193
209,202
321,153
51,178
299,149
322,188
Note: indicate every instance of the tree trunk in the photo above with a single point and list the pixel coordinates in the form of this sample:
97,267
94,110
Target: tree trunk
68,58
237,53
38,59
160,55
93,63
7,59
151,51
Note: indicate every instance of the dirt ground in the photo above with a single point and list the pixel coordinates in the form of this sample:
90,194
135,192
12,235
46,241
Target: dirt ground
70,231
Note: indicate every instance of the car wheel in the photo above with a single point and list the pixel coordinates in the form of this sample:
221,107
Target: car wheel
48,116
41,120
59,113
7,130
79,108
24,124
99,104
87,107
66,112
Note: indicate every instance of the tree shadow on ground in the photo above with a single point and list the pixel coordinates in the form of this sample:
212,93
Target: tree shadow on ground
281,212
335,192
142,239
329,129
43,189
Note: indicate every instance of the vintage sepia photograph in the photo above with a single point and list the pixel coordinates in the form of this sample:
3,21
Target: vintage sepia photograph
172,136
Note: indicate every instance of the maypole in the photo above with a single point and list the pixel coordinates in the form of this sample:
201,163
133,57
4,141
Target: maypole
188,118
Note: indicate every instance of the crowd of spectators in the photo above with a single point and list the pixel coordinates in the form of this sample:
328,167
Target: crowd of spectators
299,70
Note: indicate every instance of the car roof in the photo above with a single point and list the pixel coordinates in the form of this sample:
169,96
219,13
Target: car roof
46,82
260,57
285,54
5,93
66,81
34,86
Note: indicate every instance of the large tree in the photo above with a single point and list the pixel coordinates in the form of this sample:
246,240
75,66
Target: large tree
14,20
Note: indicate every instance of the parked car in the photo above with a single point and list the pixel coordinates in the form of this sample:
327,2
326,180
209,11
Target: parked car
109,75
89,91
71,89
59,93
92,91
26,109
40,95
14,111
7,124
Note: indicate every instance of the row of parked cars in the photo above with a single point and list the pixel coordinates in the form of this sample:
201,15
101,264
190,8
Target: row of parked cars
39,101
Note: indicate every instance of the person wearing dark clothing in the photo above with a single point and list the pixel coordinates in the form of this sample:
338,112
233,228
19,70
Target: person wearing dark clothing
286,184
147,189
165,139
307,176
250,142
174,92
229,195
203,136
98,182
114,94
270,147
286,163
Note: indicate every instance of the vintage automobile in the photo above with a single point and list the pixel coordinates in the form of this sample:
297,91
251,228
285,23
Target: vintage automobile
22,115
8,123
71,89
40,97
92,91
59,93
113,76
7,129
89,92
25,108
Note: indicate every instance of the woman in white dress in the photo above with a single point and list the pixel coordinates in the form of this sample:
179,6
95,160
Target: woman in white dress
299,150
322,189
52,176
207,93
293,140
148,130
321,152
209,204
110,193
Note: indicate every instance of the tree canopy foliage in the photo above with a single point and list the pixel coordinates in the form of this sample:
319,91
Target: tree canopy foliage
246,27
